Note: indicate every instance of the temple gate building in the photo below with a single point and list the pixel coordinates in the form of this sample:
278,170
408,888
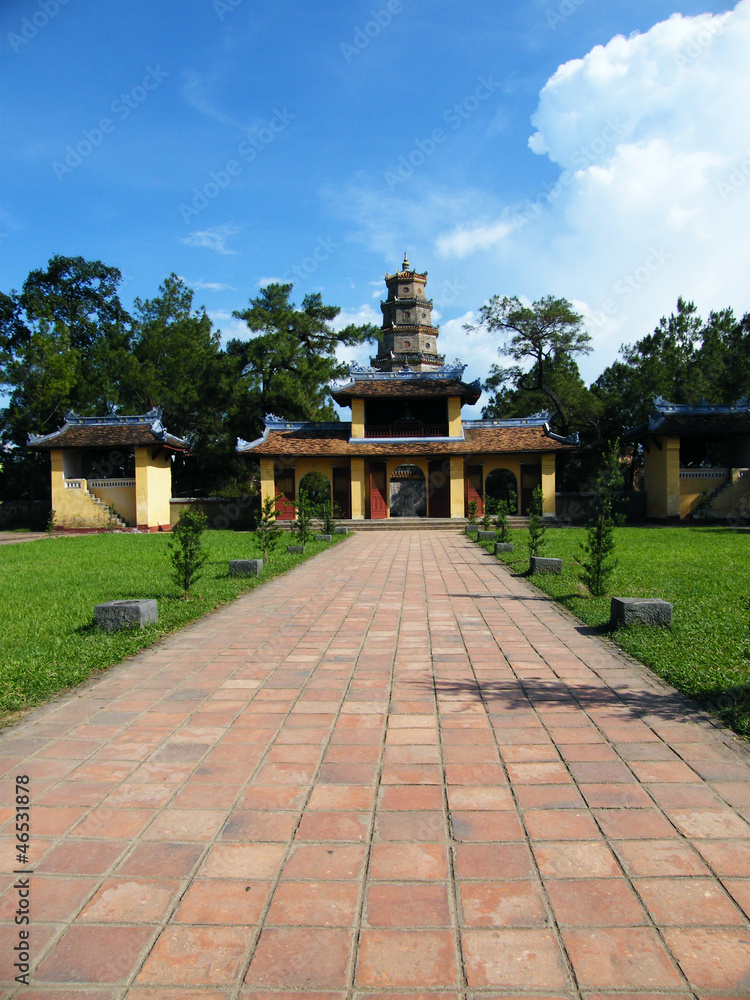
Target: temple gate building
111,471
407,451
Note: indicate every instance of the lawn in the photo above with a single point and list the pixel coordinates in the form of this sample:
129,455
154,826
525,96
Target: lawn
49,588
702,571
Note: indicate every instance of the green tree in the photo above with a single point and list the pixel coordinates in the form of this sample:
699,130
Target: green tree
537,527
290,357
597,562
302,526
267,531
187,551
542,340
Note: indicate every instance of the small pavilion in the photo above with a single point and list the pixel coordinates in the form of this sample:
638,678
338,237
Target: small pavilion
113,469
692,451
407,451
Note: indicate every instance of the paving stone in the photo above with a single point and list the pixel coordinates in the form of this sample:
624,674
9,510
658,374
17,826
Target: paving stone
343,786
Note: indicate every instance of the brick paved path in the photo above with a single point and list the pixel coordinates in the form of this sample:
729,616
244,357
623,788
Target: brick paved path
396,770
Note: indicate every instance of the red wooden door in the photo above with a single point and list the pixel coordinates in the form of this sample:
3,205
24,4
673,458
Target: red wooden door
378,491
285,509
474,488
439,488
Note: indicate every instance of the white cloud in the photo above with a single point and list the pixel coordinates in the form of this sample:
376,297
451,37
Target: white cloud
214,238
652,137
208,286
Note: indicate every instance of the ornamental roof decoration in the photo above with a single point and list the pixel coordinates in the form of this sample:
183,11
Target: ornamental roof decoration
691,419
112,430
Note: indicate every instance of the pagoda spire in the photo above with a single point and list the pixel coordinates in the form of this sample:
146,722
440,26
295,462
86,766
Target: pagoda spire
408,339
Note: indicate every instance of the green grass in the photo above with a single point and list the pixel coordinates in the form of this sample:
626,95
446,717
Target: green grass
702,572
49,589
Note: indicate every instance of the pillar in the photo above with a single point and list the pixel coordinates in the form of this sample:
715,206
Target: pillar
548,484
457,486
267,478
359,492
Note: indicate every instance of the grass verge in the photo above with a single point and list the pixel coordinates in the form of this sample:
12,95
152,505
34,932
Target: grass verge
702,572
49,588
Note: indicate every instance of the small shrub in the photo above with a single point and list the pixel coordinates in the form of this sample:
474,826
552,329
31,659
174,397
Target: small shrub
267,531
486,520
501,521
537,527
472,508
302,526
51,523
597,562
187,553
328,519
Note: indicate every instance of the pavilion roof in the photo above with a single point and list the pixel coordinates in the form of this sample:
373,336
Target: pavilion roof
109,432
480,437
689,420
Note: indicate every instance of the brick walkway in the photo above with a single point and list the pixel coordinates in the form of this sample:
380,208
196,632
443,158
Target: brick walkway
396,770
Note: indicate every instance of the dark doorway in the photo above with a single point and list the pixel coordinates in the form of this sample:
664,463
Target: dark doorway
342,492
408,492
439,488
501,484
531,477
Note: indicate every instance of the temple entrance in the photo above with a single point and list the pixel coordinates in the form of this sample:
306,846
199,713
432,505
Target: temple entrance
440,488
284,485
499,485
408,492
474,491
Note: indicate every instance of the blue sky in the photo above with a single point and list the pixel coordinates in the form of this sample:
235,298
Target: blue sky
579,148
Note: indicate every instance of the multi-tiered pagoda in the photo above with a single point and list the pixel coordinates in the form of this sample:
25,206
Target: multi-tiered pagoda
407,452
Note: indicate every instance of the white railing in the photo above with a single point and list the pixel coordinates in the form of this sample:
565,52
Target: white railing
704,473
103,484
74,484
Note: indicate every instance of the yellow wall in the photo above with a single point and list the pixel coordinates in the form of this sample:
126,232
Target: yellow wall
548,483
153,486
661,473
358,418
267,480
359,489
73,505
122,498
691,491
454,417
457,486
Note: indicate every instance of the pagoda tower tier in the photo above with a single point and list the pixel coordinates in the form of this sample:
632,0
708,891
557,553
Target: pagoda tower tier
408,339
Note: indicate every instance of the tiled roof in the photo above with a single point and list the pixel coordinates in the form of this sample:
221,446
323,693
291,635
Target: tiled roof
407,389
335,442
682,420
109,432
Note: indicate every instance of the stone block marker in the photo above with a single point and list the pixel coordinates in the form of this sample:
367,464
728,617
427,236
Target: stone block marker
639,611
245,567
542,564
324,538
503,547
341,529
126,614
471,530
295,550
486,536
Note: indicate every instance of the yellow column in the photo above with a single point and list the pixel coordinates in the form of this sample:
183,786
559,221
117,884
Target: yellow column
358,418
548,484
457,486
58,484
359,492
267,478
662,477
153,488
454,416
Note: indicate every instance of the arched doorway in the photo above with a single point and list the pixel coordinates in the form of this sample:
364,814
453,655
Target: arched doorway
499,485
408,492
318,489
